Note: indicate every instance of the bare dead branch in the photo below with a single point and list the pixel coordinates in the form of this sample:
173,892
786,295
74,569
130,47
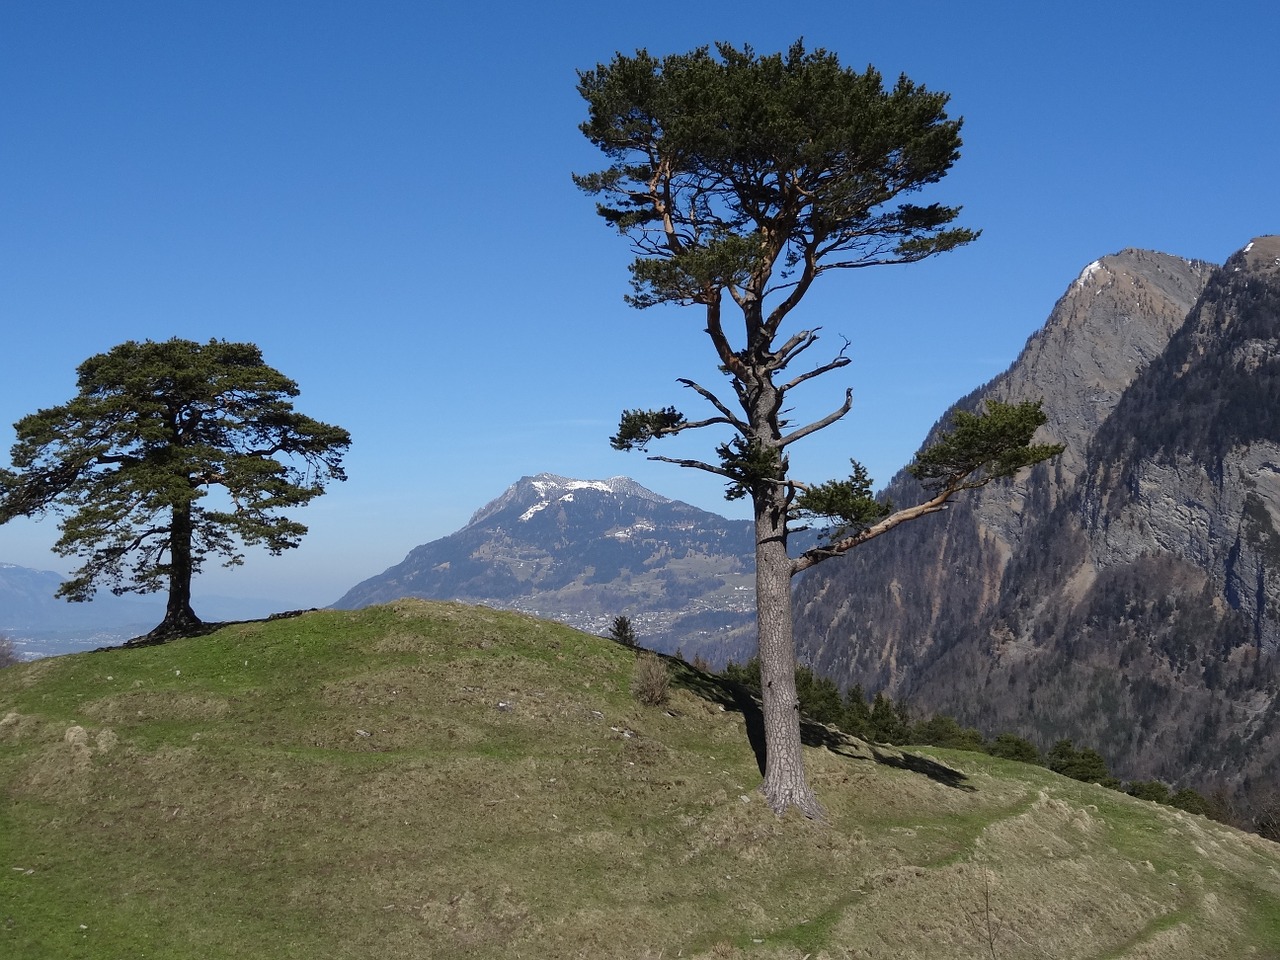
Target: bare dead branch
835,364
822,424
715,401
696,465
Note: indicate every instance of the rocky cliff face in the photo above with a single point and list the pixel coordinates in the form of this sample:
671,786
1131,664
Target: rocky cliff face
584,552
1191,465
877,614
1126,596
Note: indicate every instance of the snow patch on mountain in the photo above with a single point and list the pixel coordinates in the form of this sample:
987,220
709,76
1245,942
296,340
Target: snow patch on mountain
538,492
534,509
1088,272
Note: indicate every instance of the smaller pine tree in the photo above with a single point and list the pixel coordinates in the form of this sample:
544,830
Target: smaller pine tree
857,712
819,697
1010,746
744,674
889,723
622,632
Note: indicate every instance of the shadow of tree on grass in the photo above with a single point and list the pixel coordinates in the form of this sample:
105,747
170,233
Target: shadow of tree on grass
739,699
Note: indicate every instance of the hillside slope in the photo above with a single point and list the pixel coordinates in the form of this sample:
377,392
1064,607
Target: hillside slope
434,780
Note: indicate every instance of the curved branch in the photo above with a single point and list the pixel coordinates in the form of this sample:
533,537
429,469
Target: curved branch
712,399
836,364
812,254
795,346
696,465
822,424
715,330
817,554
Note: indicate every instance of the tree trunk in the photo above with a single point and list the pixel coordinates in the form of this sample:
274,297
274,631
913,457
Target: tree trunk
179,618
784,780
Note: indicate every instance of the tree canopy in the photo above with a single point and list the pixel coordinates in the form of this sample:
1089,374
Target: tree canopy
129,462
738,180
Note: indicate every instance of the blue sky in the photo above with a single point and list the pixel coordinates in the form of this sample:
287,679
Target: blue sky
378,194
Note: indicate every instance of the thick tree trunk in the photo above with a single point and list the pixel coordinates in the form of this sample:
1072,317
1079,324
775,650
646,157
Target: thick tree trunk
784,780
179,618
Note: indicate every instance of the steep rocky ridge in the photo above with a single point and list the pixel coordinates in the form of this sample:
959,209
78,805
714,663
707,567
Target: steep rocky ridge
1136,607
583,552
877,614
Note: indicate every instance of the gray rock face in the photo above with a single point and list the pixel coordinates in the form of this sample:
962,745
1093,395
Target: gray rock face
1114,319
1226,529
1128,595
876,615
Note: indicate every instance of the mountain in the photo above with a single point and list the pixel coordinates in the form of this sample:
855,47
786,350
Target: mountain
1128,595
430,780
583,552
41,624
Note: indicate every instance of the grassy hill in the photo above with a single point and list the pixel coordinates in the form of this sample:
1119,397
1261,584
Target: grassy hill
432,780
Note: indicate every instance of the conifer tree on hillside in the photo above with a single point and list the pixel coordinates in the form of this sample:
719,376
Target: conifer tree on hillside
622,631
739,180
128,463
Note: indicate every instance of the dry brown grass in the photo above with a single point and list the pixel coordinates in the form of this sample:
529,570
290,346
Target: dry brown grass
651,681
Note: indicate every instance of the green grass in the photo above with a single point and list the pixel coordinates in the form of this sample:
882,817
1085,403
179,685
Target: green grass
347,785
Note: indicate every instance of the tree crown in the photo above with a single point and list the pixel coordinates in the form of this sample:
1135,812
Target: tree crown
151,429
729,165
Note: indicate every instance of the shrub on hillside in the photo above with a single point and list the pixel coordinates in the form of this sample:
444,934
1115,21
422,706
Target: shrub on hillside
1085,765
1010,746
8,654
651,681
890,722
744,674
1190,801
1148,790
944,731
857,712
819,697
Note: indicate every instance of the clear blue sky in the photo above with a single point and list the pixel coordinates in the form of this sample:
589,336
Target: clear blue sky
378,194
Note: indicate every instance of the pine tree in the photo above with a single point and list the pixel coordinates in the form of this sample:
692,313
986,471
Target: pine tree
129,462
622,632
740,180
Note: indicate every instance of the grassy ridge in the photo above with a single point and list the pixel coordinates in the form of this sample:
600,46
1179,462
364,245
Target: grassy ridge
433,780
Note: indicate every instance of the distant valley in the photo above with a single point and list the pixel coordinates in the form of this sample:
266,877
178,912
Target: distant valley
42,625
